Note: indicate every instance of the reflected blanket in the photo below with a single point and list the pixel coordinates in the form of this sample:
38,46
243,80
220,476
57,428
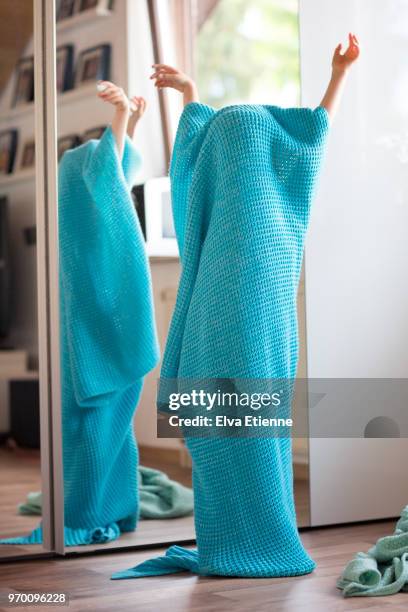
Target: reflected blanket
242,183
159,497
383,570
108,339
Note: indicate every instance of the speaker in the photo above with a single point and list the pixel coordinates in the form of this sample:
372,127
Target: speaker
25,413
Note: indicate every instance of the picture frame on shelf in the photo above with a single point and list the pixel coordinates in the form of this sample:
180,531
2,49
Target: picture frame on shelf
66,9
28,155
67,142
24,84
160,232
93,133
8,148
93,64
65,67
70,8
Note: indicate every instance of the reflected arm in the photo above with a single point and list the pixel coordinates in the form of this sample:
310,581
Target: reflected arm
119,126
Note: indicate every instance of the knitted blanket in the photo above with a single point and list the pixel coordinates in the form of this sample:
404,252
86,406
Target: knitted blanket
159,497
242,184
383,570
108,339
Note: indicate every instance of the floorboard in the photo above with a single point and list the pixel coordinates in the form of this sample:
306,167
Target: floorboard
20,473
86,579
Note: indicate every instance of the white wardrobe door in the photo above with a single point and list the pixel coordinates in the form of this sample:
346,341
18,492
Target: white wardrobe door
357,254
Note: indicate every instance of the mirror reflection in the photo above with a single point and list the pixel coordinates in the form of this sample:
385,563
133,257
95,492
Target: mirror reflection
118,280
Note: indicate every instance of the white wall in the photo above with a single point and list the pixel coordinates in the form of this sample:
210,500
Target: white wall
357,248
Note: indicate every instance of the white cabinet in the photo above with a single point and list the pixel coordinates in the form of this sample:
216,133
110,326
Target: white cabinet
356,260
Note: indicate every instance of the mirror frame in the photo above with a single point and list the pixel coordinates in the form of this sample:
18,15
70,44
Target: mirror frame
46,172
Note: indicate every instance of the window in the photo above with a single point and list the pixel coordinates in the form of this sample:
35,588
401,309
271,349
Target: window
247,51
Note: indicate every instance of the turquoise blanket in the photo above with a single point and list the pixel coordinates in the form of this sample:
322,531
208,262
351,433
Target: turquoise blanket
242,184
108,339
159,497
383,570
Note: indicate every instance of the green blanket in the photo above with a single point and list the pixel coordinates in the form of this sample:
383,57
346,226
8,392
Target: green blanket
383,570
160,497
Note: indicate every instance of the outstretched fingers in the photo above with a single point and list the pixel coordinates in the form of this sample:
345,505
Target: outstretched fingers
166,80
109,91
350,54
353,48
165,68
138,104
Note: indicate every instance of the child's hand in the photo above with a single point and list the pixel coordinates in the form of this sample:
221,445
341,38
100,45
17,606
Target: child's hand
166,76
137,107
114,95
342,61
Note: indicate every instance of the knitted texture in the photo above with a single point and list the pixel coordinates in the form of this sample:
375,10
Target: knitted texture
108,339
383,570
159,497
242,184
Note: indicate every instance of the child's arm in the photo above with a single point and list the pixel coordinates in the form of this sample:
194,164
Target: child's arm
340,66
166,76
137,107
108,92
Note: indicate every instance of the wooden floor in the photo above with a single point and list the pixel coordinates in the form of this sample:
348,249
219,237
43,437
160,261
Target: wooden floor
20,473
86,580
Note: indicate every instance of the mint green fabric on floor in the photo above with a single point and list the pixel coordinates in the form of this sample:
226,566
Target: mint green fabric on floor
33,504
242,183
159,497
383,570
162,498
108,339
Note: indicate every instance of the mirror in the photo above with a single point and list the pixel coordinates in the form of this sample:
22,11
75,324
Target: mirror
117,248
20,453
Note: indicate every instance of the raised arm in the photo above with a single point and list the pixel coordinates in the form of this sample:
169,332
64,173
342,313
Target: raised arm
137,109
341,64
111,93
166,76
